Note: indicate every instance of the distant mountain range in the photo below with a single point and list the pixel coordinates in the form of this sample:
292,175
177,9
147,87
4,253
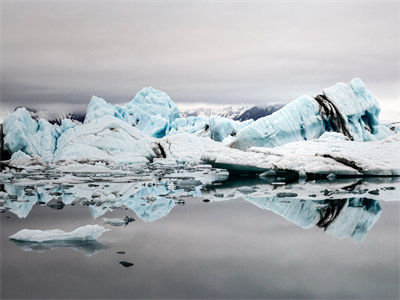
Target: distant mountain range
234,112
53,117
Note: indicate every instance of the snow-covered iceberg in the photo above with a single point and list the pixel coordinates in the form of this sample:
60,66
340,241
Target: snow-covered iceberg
84,233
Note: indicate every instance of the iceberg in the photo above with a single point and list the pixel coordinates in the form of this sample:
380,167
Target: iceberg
346,108
151,111
24,134
84,233
107,138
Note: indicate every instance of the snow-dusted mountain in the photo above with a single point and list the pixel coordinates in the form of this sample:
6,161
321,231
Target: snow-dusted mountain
53,117
234,112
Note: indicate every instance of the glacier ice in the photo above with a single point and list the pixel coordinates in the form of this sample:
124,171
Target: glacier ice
84,233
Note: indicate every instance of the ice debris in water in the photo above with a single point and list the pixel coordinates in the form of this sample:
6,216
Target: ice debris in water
118,222
84,233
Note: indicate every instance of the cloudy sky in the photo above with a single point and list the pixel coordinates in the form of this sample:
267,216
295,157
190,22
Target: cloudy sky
56,54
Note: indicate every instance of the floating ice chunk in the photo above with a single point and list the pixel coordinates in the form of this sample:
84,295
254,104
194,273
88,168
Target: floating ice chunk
118,222
84,233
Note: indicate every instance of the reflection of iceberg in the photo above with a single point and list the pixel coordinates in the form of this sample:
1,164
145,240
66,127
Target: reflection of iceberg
21,209
157,209
342,218
151,203
355,219
88,248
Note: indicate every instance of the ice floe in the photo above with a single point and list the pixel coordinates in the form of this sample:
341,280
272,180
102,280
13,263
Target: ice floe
84,233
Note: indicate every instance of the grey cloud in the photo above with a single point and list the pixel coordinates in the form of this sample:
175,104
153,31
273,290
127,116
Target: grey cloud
230,52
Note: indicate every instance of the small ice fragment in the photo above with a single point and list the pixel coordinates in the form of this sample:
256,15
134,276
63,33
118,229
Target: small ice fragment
246,190
56,204
118,222
331,176
278,183
286,195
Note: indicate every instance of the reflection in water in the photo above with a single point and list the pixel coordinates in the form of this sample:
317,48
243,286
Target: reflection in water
343,208
88,248
341,218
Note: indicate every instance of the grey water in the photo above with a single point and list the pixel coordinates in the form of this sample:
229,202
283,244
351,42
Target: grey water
241,247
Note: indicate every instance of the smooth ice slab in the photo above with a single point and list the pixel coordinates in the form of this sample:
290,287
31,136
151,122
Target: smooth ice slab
84,233
331,154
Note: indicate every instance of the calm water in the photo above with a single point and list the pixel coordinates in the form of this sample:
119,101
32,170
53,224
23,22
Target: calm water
243,247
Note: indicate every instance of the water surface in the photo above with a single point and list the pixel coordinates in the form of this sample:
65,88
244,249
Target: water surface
253,246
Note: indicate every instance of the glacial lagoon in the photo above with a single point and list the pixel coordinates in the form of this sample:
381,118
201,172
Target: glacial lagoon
198,234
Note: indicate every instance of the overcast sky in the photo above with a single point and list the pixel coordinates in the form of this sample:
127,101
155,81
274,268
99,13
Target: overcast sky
56,54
